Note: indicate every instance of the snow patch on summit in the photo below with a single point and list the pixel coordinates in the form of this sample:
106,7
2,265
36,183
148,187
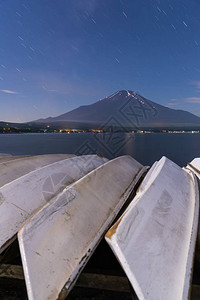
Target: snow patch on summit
129,94
113,95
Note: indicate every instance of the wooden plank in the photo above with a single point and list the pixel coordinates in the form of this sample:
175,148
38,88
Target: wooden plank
57,242
154,240
21,198
103,282
11,271
89,280
195,293
86,280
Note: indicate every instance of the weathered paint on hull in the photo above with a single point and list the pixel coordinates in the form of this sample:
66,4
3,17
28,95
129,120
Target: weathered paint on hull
57,242
5,155
21,165
21,198
10,158
194,166
154,240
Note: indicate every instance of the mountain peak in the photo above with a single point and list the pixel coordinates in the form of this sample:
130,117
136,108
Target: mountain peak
128,109
121,93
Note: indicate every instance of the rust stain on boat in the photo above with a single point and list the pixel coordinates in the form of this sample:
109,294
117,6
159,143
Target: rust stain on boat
63,294
113,229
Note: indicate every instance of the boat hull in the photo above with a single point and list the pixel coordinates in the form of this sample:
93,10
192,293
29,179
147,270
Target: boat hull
154,240
194,166
57,242
21,198
13,167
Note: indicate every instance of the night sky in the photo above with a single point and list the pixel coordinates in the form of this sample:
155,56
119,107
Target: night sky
56,55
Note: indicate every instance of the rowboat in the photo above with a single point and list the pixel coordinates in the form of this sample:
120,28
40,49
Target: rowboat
21,198
154,240
194,166
56,243
13,167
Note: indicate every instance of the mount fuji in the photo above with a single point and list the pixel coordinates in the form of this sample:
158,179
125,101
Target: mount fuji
125,109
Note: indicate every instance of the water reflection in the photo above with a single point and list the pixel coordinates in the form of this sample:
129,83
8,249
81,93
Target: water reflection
146,148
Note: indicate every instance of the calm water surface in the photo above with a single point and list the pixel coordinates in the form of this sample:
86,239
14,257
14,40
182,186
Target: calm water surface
146,148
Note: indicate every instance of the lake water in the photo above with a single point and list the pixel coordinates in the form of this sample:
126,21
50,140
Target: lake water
146,148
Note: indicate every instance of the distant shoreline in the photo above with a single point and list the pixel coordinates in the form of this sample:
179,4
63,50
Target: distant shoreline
102,132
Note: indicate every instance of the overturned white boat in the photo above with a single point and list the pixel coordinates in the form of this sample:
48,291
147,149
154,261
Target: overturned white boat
13,167
21,198
194,166
154,240
57,242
